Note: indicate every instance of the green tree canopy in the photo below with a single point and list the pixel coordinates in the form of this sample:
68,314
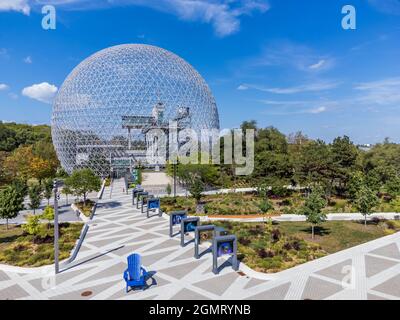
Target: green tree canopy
312,208
366,201
48,189
35,196
83,181
11,203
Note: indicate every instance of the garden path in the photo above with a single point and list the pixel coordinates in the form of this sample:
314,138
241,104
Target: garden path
118,229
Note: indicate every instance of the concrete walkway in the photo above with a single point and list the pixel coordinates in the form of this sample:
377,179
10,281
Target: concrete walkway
369,271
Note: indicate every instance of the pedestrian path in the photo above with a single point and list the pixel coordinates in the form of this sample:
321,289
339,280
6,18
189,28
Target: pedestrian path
369,271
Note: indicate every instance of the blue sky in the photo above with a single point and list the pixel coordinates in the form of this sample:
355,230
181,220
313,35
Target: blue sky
286,63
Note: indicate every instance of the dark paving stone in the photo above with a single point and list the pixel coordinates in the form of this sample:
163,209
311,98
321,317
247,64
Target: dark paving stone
42,284
152,225
106,242
115,270
144,237
123,232
165,245
374,297
4,276
96,257
77,295
390,251
182,270
317,289
130,248
277,293
336,271
254,282
186,294
218,285
186,255
105,226
13,293
164,232
374,265
153,258
391,287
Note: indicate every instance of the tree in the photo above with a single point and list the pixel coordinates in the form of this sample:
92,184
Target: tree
393,186
40,168
366,200
83,181
11,203
35,196
312,209
21,187
354,185
345,157
48,214
66,190
168,189
315,164
32,225
18,164
48,189
196,187
265,204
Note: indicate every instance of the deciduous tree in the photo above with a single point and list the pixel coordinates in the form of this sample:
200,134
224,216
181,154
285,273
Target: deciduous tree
312,209
11,203
366,201
83,181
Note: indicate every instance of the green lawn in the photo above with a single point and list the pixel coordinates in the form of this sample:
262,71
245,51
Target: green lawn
270,248
19,249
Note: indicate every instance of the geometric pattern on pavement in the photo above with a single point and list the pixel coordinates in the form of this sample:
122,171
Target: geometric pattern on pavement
369,271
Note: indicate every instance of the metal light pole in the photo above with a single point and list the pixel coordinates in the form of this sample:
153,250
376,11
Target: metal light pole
175,179
56,249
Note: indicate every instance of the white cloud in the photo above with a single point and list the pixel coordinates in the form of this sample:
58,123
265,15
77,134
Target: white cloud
242,87
381,92
43,92
223,15
28,60
316,110
15,5
297,56
311,87
3,87
318,65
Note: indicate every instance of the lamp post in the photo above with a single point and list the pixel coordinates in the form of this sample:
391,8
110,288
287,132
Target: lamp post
175,179
56,249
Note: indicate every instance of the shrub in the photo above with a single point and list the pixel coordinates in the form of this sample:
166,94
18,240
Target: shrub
275,235
262,253
244,241
286,202
265,206
280,191
32,225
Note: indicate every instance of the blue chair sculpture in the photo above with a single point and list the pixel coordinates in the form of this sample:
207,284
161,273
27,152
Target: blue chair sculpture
135,276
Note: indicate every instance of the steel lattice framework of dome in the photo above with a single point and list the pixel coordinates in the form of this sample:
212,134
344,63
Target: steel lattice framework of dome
105,103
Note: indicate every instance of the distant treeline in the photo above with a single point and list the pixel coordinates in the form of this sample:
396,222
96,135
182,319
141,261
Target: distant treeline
26,152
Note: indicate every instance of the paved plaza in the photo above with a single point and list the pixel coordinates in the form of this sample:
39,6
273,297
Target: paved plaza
368,271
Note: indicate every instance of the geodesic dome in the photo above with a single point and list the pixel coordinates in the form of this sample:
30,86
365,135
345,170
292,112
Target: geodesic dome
124,82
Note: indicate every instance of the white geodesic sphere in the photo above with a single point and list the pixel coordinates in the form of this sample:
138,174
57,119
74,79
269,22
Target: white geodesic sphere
125,80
